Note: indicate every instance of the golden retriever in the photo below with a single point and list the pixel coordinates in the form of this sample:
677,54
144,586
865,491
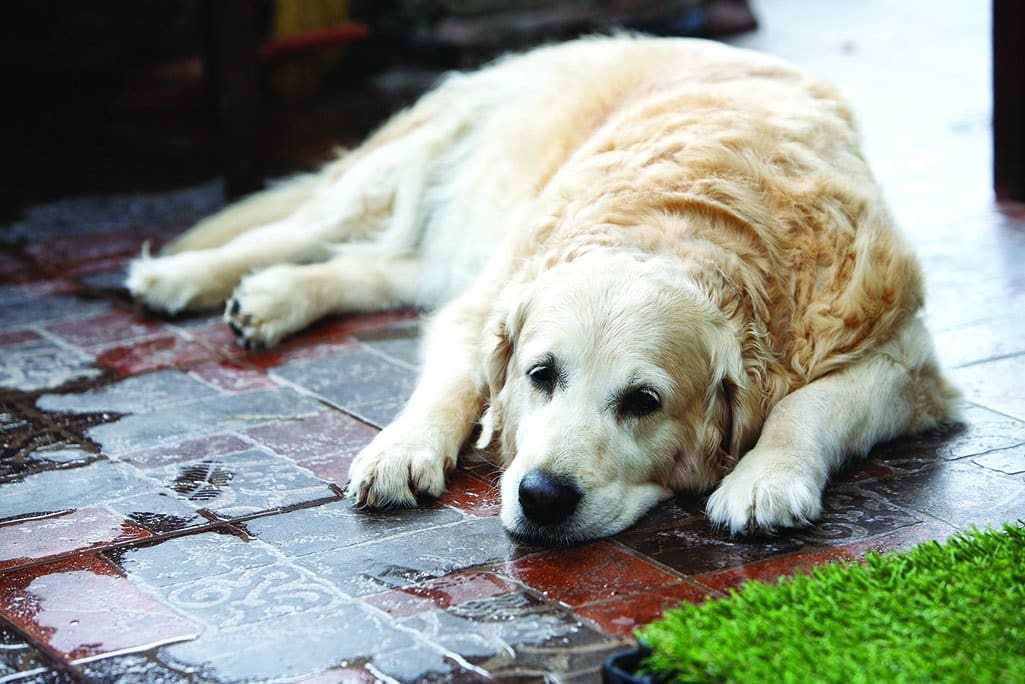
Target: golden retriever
660,264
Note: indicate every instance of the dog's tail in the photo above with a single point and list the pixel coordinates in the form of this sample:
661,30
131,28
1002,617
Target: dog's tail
259,209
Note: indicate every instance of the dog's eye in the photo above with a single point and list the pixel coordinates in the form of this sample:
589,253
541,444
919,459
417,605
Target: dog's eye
543,376
639,403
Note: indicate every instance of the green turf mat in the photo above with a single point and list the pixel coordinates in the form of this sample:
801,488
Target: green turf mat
938,613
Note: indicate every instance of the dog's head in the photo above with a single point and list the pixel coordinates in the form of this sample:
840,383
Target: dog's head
613,381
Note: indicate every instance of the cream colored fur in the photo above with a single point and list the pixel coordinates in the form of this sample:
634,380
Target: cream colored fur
641,217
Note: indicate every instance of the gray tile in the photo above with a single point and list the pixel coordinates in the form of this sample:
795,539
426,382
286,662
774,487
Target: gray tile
242,483
337,525
203,417
102,483
515,633
300,644
356,380
137,394
41,364
406,560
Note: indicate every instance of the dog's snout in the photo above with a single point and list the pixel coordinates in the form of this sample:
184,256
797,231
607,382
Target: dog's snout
548,499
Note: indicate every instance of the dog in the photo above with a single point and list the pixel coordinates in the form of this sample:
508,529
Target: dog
658,264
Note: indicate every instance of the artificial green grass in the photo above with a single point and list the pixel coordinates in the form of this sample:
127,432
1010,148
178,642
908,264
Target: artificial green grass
938,613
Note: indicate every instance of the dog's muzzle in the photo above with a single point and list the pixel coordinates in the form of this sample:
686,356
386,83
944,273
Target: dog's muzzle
547,499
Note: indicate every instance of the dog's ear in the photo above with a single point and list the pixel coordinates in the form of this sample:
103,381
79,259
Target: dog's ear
500,332
730,417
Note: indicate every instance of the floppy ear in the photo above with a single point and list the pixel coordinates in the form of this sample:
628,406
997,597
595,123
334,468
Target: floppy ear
727,400
500,333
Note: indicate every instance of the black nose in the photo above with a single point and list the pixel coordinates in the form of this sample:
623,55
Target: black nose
547,499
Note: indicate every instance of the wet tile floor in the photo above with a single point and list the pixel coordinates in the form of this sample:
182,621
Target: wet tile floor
170,505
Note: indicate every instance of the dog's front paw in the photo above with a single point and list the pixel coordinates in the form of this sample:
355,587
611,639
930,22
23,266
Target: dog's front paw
767,490
396,468
179,282
265,307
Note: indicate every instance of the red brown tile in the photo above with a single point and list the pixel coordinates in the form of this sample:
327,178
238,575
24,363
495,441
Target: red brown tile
772,569
166,351
900,540
187,450
471,495
586,573
62,534
622,615
81,608
59,252
231,377
18,336
441,593
106,329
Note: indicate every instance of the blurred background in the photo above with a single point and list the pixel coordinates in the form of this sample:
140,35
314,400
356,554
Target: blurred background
123,95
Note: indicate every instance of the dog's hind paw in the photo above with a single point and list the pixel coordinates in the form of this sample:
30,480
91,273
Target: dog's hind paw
765,493
395,469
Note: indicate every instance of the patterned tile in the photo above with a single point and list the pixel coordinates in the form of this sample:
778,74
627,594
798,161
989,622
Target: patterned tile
400,342
325,443
59,253
395,562
900,540
156,353
472,495
441,593
144,668
694,547
769,571
189,560
63,533
960,494
982,430
356,380
140,394
422,664
41,364
622,615
57,604
333,527
19,307
200,448
232,377
299,645
242,483
585,574
215,414
105,329
851,513
995,384
101,483
515,634
1008,461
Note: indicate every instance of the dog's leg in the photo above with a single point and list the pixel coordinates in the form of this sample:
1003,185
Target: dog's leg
277,301
412,456
895,390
